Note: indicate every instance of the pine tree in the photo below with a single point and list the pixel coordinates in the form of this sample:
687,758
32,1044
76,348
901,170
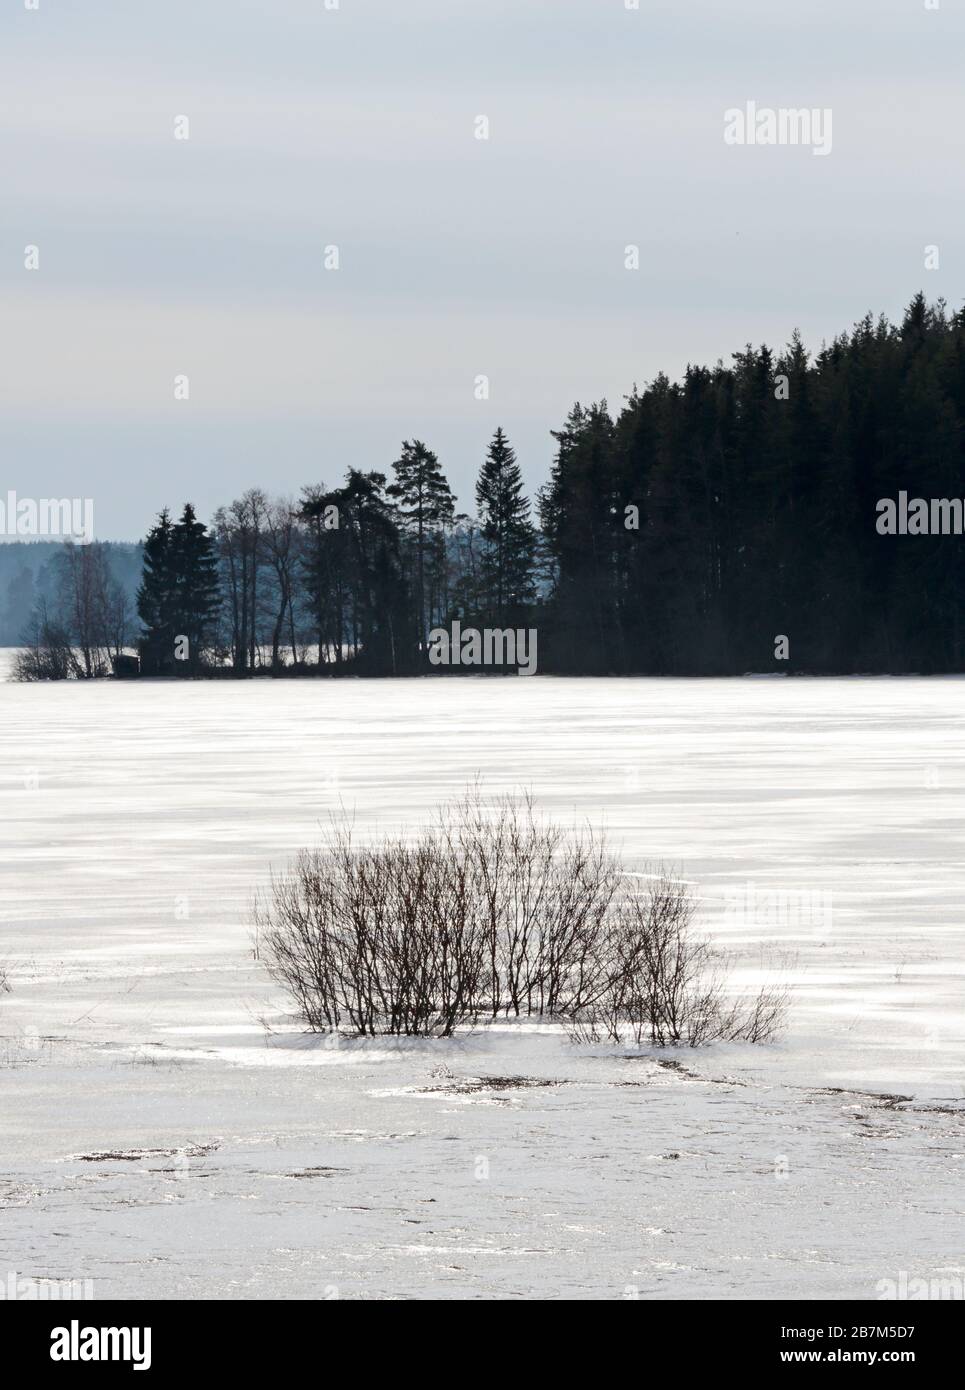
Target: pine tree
508,534
156,598
354,579
426,506
197,592
325,570
380,594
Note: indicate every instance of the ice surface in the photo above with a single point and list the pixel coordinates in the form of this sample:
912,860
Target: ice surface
167,1131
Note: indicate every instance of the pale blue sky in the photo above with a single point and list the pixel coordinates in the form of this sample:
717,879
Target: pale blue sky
458,257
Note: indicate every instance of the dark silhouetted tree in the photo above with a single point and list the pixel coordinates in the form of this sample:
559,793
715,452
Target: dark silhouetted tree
506,563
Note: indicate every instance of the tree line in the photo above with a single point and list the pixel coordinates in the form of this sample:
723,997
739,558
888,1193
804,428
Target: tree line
722,523
352,578
757,487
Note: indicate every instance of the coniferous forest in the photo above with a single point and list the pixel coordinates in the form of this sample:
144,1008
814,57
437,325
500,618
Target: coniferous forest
715,525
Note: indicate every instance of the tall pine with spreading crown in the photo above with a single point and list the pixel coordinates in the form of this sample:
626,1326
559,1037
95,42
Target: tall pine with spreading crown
426,507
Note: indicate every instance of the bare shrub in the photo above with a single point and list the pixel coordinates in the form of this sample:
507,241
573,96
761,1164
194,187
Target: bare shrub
545,898
762,1018
494,910
47,654
383,940
664,985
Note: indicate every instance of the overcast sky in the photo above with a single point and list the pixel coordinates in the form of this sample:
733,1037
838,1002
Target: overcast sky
459,257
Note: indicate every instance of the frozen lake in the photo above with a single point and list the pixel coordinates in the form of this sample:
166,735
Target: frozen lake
140,818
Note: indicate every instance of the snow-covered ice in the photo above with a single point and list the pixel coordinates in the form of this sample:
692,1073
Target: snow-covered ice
167,1131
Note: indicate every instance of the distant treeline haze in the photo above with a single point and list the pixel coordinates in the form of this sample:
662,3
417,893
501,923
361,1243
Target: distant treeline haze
32,575
685,535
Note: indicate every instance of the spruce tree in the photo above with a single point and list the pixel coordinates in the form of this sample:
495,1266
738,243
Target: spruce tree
508,534
156,598
426,507
179,595
197,589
